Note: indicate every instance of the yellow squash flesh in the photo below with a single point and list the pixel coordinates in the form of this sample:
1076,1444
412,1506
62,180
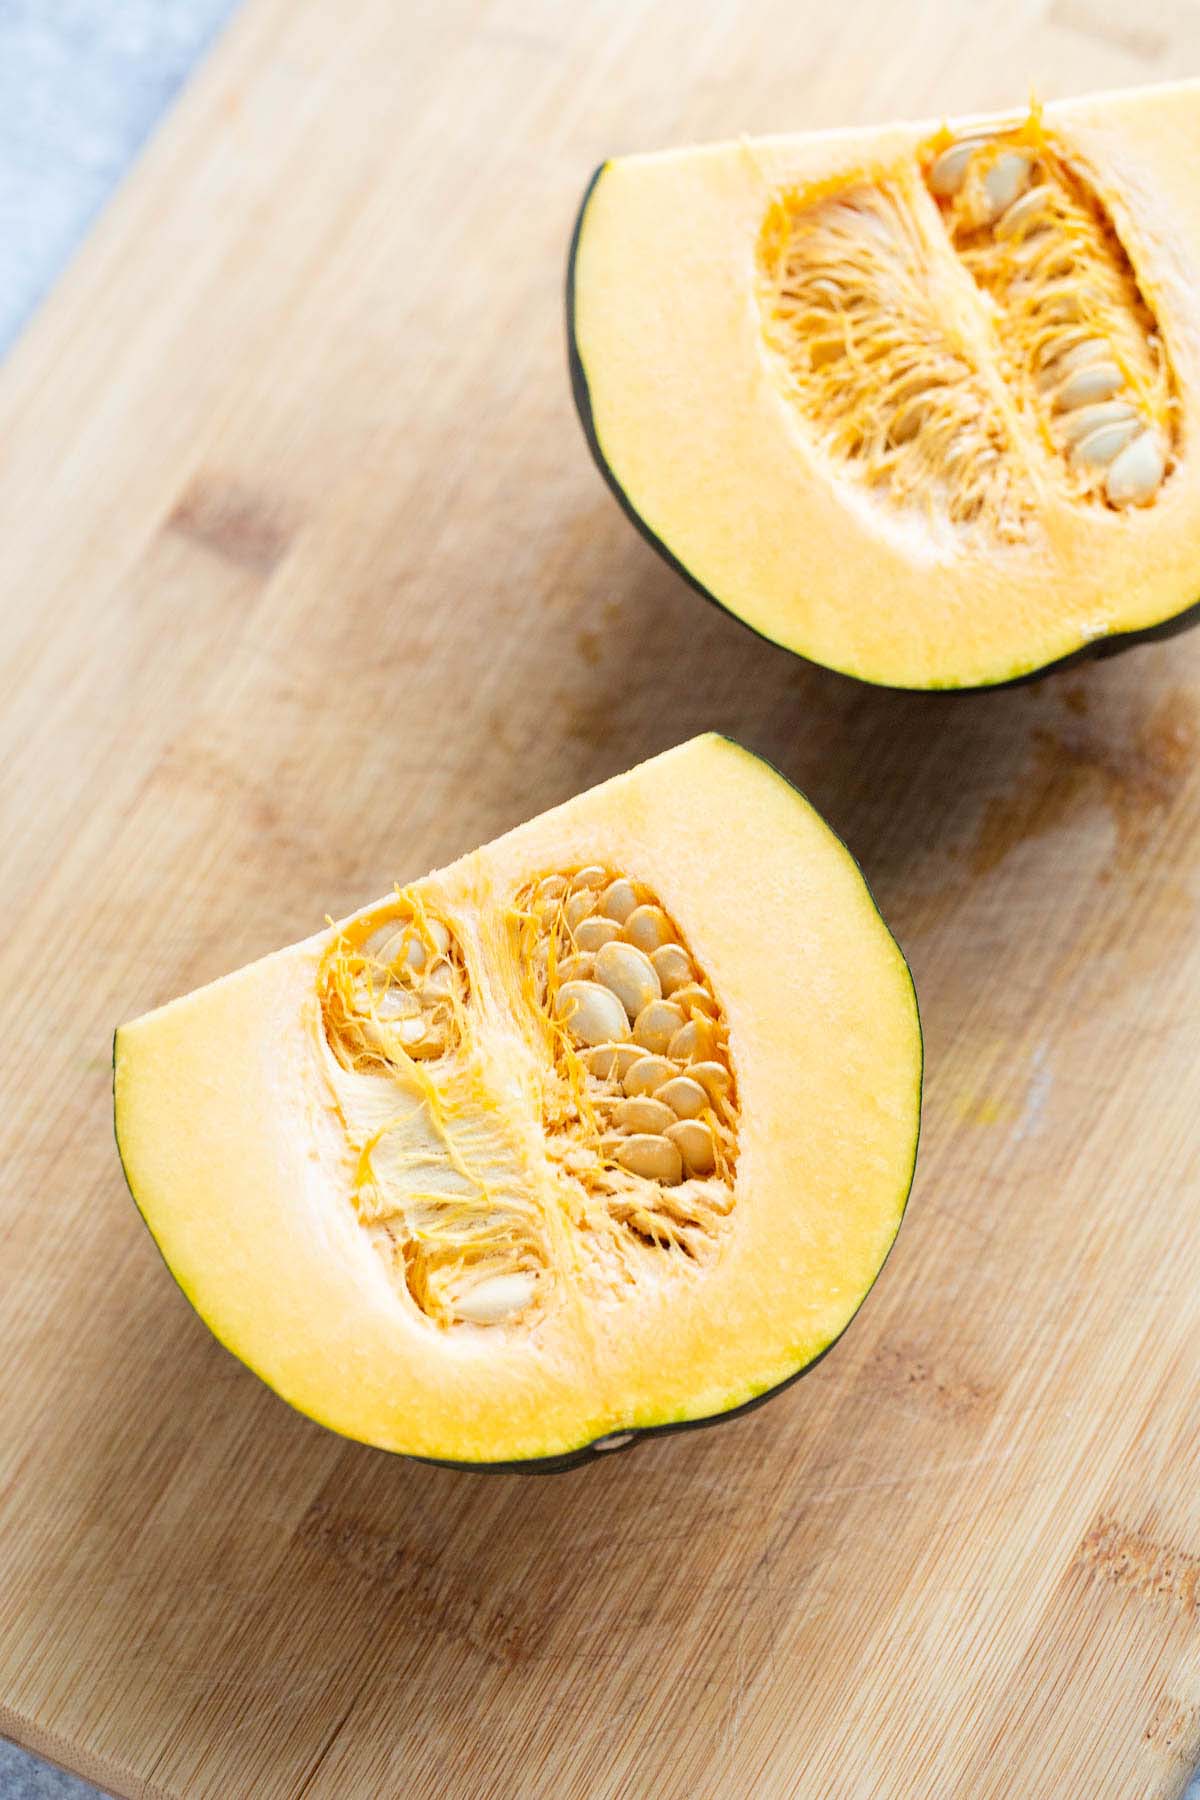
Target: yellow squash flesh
689,408
236,1155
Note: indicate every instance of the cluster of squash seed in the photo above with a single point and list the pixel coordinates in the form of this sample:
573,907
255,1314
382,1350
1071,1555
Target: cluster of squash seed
1061,364
397,994
642,1091
1080,341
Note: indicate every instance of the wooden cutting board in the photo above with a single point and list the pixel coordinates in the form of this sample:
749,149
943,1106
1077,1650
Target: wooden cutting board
309,584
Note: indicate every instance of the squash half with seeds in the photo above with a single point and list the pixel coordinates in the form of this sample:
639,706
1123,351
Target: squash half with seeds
920,402
607,1127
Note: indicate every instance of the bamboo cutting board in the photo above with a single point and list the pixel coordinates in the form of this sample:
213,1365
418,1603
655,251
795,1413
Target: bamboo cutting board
309,585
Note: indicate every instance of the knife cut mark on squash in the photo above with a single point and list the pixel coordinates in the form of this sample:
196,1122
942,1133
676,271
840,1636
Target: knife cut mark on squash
573,1104
1047,371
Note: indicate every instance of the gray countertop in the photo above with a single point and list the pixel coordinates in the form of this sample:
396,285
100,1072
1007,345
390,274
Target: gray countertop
23,1777
82,85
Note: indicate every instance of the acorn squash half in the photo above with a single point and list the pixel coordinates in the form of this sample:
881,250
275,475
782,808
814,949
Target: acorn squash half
605,1128
917,402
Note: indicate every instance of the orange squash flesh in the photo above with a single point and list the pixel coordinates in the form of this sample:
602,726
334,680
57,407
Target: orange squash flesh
233,1134
819,386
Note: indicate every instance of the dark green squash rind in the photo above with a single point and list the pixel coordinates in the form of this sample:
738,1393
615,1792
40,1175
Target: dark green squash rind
1112,645
631,1435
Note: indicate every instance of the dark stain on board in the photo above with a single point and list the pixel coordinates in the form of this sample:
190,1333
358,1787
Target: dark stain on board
234,522
1139,1562
1136,775
438,1596
907,1373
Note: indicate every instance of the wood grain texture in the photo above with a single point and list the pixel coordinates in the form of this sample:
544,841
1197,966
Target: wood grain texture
310,585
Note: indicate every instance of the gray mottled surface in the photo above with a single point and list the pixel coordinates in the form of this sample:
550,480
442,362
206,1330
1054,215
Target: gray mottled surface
82,85
22,1777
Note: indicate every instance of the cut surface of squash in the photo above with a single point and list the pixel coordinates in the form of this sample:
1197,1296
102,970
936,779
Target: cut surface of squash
606,1127
916,402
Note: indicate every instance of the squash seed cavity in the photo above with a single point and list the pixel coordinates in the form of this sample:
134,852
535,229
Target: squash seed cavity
1078,344
572,1103
639,1105
436,1179
964,398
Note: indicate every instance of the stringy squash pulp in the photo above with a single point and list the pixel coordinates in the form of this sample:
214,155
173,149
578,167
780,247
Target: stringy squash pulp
917,402
607,1126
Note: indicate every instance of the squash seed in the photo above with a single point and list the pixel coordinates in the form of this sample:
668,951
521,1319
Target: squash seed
648,927
693,995
629,974
395,1003
414,954
949,171
612,1062
590,1012
685,1097
1099,447
385,944
421,1038
673,966
495,1298
576,968
1136,475
593,933
1086,419
655,1158
1078,354
693,1042
593,877
618,900
1031,205
713,1077
694,1141
641,1113
578,906
647,1073
1008,176
1099,381
657,1024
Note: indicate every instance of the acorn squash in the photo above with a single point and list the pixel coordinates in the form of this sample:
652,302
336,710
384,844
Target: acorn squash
917,402
607,1127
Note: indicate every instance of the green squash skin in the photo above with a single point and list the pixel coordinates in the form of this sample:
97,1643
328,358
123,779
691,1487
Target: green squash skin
595,1450
1112,645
